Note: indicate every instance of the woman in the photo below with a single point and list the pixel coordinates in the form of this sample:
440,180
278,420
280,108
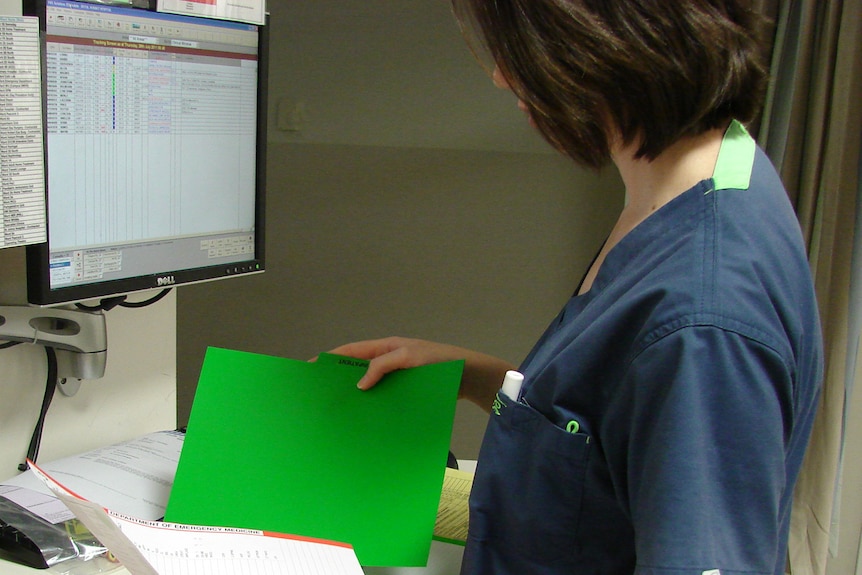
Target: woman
665,412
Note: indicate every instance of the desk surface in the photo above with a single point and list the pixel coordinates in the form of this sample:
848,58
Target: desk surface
445,559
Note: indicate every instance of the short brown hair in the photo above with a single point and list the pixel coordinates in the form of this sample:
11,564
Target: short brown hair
658,70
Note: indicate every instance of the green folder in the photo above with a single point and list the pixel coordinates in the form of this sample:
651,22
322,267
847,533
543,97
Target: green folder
294,447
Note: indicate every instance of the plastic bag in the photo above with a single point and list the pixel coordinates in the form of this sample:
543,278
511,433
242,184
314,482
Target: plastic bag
66,547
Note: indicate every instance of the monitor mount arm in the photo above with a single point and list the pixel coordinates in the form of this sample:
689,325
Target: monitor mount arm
79,338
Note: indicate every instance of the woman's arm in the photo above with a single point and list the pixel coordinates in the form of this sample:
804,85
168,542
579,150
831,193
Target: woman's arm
479,383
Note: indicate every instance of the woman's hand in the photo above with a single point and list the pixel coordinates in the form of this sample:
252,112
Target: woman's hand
482,373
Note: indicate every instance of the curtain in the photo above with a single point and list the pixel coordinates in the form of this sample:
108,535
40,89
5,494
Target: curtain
811,128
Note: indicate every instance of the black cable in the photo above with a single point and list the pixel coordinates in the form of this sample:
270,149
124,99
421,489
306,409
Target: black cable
50,388
103,305
147,302
9,344
110,303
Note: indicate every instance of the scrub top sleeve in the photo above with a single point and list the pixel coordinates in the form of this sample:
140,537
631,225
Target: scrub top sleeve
699,427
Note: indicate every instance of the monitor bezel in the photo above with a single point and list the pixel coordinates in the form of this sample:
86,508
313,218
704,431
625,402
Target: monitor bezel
39,291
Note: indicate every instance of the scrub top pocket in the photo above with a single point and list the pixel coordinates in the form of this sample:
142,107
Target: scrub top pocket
526,500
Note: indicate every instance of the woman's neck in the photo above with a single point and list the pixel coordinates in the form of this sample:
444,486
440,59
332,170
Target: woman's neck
652,184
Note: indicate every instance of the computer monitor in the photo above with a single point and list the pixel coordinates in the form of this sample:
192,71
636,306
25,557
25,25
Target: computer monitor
155,136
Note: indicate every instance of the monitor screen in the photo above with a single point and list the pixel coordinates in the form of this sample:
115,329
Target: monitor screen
154,150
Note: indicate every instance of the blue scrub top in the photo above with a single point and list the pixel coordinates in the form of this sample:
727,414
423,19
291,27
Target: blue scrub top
665,413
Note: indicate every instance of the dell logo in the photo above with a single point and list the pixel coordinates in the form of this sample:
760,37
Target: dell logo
165,281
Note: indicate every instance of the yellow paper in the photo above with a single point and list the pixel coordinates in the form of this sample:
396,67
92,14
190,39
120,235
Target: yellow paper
453,513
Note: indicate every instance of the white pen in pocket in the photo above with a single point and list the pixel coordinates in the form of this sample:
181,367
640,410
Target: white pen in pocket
512,383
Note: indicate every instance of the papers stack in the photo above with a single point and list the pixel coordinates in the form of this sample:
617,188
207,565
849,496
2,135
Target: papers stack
155,548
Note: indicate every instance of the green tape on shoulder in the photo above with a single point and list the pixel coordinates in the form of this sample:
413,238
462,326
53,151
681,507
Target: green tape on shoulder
735,159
